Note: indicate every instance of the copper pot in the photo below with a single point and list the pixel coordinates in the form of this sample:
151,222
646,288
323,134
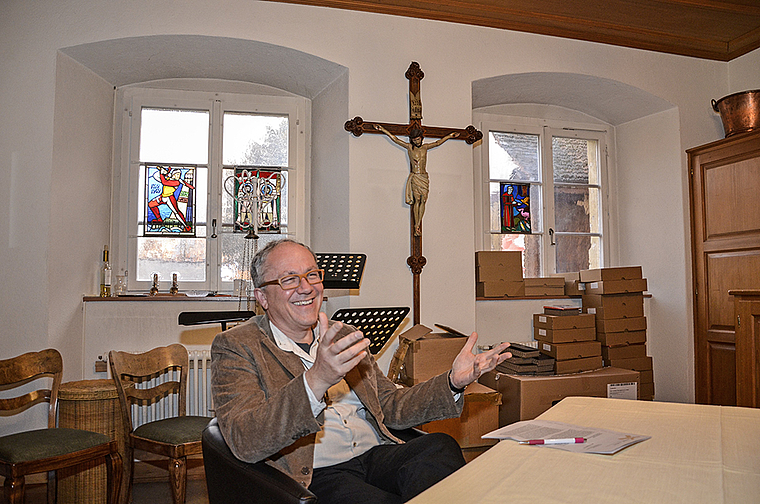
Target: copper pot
740,112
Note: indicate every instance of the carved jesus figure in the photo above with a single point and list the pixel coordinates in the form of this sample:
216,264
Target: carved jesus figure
417,184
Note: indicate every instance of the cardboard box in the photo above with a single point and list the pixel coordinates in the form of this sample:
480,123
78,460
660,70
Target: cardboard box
578,365
480,415
621,325
576,350
605,274
429,354
635,363
614,305
624,351
498,265
563,322
526,397
616,286
622,338
545,286
647,376
545,291
646,391
500,288
564,335
573,284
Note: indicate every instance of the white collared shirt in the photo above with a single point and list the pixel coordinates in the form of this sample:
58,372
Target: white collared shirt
346,433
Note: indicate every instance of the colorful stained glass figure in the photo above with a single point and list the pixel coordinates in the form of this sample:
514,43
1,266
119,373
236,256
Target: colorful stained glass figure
169,200
269,197
515,208
257,200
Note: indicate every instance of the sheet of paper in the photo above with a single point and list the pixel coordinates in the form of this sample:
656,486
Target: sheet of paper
602,441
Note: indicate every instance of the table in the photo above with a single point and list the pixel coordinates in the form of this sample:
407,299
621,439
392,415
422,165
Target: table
697,454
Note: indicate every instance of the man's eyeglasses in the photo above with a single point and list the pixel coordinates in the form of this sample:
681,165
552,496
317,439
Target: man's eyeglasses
292,281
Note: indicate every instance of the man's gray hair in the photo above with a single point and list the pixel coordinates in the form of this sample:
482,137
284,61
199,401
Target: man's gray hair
259,262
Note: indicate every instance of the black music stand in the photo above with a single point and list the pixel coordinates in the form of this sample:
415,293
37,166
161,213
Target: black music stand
377,324
342,271
213,317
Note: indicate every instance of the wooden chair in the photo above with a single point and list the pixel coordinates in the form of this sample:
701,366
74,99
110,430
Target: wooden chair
47,450
158,378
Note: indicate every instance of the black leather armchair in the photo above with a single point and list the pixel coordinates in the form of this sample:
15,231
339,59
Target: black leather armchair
232,481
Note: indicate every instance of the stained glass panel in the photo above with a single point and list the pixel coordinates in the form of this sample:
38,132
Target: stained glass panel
169,201
257,197
515,208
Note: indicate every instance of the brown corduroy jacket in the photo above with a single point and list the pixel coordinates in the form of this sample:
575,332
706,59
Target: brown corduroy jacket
263,409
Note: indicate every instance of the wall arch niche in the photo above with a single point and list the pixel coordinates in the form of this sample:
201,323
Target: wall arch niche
590,99
647,189
247,66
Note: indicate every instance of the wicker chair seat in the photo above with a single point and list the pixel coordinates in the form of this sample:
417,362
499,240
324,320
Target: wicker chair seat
42,444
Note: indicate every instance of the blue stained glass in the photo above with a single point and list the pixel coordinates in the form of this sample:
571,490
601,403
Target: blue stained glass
515,208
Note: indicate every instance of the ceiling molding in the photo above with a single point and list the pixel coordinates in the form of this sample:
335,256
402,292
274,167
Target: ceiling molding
718,30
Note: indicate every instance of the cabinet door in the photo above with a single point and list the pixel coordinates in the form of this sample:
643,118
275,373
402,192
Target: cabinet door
725,233
747,309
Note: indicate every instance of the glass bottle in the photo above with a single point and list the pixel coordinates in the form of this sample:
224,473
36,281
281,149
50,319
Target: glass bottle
105,275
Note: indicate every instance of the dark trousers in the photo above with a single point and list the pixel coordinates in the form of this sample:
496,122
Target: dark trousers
389,473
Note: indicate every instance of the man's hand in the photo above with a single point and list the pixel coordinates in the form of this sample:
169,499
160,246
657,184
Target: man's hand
468,367
334,358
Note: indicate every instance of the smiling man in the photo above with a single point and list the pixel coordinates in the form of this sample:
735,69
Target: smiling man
303,393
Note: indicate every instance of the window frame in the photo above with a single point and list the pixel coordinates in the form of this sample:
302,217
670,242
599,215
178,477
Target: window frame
127,142
544,128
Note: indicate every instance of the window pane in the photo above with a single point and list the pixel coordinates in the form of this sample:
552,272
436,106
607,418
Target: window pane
529,245
174,136
237,253
576,209
575,160
254,140
513,156
575,253
165,256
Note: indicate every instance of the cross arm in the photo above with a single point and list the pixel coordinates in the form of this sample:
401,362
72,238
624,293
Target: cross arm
357,126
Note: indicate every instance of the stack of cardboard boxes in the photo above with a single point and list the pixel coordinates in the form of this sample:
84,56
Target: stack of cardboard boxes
568,336
499,274
614,296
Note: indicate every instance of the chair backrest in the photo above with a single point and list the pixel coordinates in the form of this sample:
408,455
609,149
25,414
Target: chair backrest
25,368
157,377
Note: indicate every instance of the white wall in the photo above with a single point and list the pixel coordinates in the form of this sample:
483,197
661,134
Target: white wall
50,245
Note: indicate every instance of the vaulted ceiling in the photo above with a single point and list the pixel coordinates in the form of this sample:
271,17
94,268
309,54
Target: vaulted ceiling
711,29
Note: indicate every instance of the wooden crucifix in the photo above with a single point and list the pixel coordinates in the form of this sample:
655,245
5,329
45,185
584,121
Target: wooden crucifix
417,185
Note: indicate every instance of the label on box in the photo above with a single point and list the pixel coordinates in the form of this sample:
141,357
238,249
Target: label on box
622,390
542,332
593,285
591,310
542,319
548,348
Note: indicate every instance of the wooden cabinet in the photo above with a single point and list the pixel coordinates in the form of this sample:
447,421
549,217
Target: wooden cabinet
747,317
724,178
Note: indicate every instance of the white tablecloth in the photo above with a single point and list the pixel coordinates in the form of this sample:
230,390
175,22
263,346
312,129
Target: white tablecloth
697,454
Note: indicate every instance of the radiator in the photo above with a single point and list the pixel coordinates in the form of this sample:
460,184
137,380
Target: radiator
199,384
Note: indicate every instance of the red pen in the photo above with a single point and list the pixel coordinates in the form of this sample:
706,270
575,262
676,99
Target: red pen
554,441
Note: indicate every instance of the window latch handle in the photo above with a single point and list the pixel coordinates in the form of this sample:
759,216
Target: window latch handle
213,228
551,237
